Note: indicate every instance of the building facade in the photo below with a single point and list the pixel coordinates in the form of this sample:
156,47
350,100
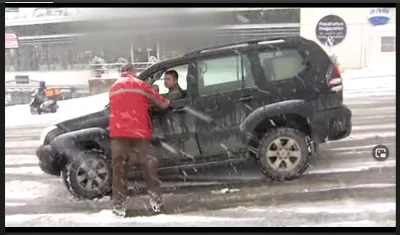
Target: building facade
366,37
58,49
62,47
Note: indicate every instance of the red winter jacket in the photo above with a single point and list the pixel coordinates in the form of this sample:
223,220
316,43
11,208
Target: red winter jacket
128,75
129,101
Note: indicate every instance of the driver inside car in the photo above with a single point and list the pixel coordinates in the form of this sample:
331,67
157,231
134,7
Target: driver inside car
171,82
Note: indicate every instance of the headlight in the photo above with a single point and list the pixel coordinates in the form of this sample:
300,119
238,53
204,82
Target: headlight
45,132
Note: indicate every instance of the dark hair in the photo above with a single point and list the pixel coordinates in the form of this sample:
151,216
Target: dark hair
42,84
172,73
128,68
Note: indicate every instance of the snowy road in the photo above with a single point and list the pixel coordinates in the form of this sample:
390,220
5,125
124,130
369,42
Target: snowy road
344,186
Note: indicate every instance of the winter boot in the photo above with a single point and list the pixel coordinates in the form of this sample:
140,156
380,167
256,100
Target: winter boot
119,210
157,205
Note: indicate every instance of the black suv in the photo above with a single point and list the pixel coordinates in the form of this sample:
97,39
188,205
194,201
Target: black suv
268,101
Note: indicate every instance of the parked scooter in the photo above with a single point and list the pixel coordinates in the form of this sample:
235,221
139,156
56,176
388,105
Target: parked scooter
39,107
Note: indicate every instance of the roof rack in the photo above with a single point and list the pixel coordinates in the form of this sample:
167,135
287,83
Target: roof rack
242,44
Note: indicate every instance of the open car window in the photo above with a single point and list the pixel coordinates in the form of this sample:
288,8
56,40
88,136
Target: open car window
182,73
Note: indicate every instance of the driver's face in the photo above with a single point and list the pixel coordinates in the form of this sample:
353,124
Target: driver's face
170,82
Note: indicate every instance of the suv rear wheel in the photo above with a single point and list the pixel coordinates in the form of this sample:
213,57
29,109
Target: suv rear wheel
284,154
88,176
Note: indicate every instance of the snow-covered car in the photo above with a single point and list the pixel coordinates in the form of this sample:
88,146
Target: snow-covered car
268,101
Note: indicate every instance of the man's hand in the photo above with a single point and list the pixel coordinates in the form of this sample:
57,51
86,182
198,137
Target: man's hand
164,105
160,106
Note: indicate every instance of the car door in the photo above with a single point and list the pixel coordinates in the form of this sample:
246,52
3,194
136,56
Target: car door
225,90
176,128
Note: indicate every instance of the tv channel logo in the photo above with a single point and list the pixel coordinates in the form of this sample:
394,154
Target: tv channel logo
380,152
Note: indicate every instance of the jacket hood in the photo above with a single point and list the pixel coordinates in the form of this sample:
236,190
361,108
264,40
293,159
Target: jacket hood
129,74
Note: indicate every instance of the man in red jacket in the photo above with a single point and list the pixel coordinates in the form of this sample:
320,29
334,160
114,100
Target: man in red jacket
128,71
131,132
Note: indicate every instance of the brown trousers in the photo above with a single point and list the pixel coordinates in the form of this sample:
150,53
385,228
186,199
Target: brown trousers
129,152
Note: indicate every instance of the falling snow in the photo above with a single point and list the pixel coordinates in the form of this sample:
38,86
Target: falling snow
343,186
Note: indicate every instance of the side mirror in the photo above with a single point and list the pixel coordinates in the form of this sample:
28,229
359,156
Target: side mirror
155,87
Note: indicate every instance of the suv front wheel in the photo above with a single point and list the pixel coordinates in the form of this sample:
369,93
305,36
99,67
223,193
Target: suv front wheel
88,176
284,154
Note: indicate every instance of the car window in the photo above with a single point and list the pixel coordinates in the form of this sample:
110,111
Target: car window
281,65
182,73
220,75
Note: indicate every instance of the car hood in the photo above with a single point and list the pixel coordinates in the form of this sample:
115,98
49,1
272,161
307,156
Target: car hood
95,119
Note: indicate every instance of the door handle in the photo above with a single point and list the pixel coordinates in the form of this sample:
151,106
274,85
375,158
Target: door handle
246,99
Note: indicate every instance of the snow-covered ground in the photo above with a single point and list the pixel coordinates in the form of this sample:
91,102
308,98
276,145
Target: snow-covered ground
368,73
19,115
256,216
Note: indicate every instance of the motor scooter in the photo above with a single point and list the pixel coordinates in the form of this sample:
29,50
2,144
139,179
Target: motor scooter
39,107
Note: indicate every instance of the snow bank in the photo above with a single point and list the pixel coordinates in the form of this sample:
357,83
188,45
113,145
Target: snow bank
358,223
19,115
323,207
109,220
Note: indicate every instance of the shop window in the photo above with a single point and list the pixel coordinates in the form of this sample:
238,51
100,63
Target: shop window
388,44
59,57
63,56
30,58
81,59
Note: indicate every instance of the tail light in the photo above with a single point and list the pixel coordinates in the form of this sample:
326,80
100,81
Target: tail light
335,80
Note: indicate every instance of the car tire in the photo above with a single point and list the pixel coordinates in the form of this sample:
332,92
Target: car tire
284,154
64,176
88,176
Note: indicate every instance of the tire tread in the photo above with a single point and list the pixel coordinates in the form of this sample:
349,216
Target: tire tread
277,132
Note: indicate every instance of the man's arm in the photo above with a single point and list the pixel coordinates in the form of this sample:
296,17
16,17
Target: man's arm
146,90
155,97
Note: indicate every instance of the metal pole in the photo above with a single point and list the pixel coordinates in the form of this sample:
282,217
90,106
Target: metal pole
158,51
132,54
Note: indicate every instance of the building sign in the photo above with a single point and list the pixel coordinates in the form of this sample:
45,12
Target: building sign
22,79
379,16
11,41
331,30
11,9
